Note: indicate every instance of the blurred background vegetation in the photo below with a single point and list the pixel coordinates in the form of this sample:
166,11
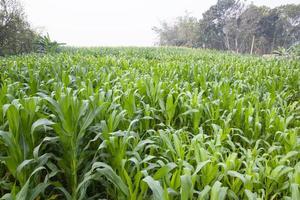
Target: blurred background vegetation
16,34
230,25
236,26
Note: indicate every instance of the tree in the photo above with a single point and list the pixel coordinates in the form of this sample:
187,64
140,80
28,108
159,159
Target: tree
241,29
212,24
290,15
232,27
184,32
236,26
16,35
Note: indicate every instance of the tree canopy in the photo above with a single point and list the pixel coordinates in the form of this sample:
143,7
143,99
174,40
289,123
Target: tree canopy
16,35
236,26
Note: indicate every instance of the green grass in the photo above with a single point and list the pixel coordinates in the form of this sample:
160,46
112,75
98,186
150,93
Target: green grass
149,123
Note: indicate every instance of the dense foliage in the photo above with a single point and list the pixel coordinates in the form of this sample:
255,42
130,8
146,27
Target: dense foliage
149,123
16,34
45,45
235,26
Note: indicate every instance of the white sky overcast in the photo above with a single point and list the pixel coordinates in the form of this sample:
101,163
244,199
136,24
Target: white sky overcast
113,22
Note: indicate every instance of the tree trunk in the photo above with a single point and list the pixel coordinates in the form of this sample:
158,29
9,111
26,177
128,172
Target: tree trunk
236,45
252,44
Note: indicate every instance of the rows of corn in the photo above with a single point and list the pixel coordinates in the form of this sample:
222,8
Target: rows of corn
149,123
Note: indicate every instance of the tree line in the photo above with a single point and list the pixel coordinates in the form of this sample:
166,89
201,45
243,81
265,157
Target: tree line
228,25
235,26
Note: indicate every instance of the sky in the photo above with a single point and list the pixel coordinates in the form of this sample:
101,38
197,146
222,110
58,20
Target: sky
113,22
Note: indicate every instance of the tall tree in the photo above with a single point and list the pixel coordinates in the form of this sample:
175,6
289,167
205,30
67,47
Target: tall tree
212,24
16,35
241,30
236,26
290,17
184,32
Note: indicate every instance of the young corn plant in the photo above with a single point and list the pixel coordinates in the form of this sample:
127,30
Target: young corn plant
72,120
21,138
149,123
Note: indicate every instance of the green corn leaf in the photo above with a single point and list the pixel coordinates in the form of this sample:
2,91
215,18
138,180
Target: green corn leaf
157,190
237,175
295,191
186,189
218,192
107,171
163,171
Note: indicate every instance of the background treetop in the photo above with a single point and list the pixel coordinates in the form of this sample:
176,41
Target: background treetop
236,26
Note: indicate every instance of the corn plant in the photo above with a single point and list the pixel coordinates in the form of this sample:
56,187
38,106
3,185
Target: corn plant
149,123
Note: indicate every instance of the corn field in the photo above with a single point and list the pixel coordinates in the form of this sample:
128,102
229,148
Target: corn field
149,123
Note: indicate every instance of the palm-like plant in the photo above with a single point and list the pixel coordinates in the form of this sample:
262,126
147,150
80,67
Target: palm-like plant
45,45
